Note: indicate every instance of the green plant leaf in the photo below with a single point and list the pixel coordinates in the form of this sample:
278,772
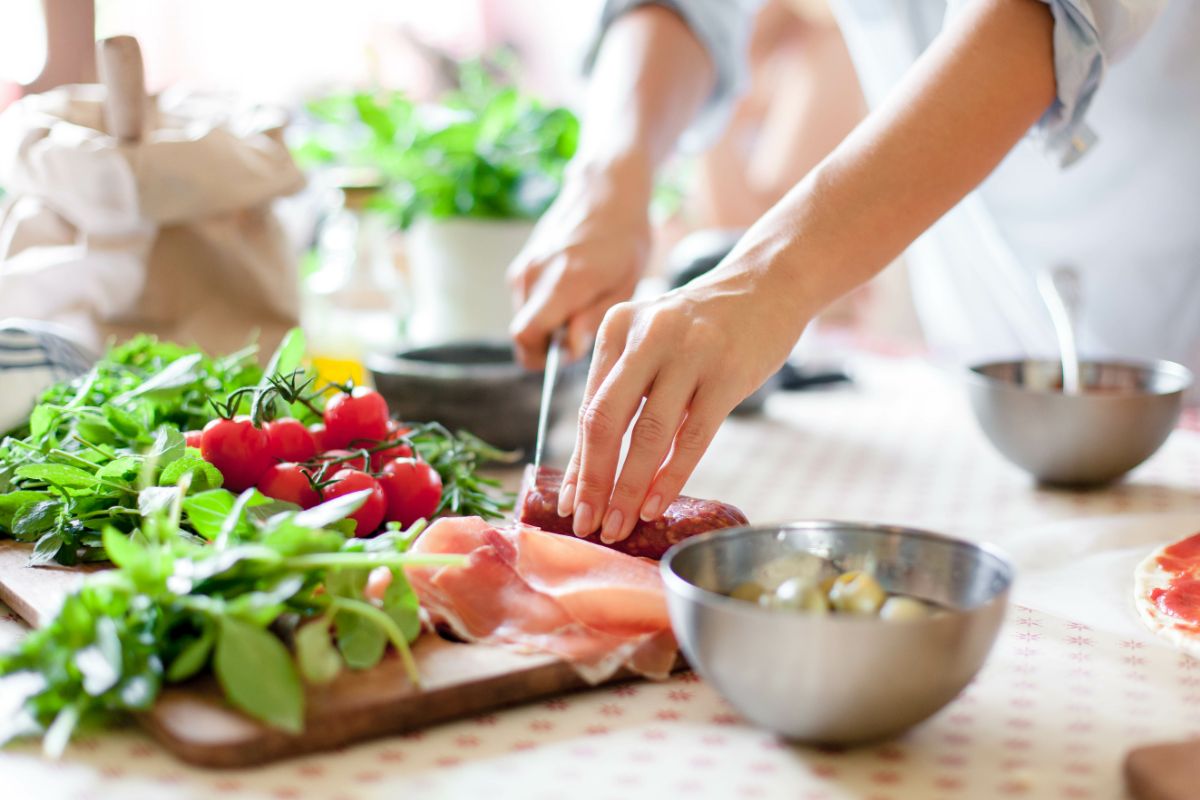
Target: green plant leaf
154,499
100,662
169,446
331,511
57,474
42,420
361,642
400,603
122,550
204,475
179,373
33,518
46,550
122,468
12,502
193,657
319,660
258,676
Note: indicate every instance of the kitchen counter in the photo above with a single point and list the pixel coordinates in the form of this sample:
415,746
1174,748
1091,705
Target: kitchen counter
1072,685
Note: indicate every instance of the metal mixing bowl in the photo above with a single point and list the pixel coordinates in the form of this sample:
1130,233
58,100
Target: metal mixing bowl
836,679
1125,413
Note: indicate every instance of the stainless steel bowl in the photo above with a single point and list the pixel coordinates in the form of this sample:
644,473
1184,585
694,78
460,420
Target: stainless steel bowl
836,679
1125,413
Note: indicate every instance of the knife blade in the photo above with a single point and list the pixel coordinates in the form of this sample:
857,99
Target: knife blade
549,377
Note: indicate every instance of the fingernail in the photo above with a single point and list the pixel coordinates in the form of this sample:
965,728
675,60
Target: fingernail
583,520
612,526
651,508
566,500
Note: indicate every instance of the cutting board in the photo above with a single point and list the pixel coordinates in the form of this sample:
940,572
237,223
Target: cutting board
193,721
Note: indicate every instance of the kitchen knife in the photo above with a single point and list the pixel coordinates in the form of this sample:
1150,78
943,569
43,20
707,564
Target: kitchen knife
549,377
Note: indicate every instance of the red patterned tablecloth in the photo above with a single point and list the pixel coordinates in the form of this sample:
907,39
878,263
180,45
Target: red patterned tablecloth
1050,716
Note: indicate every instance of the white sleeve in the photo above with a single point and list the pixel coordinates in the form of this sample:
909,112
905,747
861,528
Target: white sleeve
723,28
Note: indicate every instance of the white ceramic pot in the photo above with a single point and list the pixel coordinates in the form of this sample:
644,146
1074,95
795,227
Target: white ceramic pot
456,270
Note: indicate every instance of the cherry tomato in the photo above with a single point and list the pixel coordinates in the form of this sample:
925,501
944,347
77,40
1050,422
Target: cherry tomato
413,490
369,516
354,460
288,481
361,416
290,440
401,450
238,449
317,431
192,438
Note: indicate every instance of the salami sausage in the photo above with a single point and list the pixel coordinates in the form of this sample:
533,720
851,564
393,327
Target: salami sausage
687,516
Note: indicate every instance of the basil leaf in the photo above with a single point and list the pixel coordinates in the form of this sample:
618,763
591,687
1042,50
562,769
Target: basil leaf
193,657
57,474
319,660
361,642
36,517
46,550
12,502
258,676
204,475
400,603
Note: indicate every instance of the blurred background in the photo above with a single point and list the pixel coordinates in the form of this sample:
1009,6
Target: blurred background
433,134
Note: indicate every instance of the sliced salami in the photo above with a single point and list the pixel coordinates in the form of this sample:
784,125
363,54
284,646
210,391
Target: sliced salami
687,516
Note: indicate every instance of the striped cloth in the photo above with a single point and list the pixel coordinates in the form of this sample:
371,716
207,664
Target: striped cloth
34,355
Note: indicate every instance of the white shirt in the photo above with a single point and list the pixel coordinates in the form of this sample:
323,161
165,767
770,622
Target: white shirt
1108,181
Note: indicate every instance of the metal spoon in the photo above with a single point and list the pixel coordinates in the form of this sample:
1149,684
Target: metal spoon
1059,288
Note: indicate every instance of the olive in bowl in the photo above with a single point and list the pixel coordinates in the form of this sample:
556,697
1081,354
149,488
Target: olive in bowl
835,670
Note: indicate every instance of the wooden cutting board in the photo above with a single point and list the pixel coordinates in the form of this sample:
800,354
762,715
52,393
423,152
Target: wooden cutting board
193,721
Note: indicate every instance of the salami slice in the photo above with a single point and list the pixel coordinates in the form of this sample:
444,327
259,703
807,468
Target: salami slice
687,516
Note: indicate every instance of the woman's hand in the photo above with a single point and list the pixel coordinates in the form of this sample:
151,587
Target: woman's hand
586,254
692,355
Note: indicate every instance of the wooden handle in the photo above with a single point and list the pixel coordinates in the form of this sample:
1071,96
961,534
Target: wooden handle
119,61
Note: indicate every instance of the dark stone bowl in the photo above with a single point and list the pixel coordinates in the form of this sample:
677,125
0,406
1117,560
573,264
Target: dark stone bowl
477,386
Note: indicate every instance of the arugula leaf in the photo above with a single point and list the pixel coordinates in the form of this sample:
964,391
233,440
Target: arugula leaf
179,373
320,662
361,643
258,676
192,658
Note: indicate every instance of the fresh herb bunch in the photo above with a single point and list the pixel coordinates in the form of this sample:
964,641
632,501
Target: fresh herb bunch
265,574
486,151
457,458
75,469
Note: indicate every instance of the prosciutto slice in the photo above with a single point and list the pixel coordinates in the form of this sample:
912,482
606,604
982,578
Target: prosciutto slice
521,587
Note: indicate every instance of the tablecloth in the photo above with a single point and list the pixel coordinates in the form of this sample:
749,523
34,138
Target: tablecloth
1062,697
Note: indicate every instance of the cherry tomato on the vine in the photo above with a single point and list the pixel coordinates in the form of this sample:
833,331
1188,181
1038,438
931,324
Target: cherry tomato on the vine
290,440
370,514
361,416
353,459
290,482
193,438
238,449
317,431
413,490
400,450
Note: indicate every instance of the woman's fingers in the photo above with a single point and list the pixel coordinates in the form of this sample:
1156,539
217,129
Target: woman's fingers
649,443
704,417
610,343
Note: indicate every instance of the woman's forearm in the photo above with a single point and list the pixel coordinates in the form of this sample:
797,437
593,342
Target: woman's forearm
967,101
650,78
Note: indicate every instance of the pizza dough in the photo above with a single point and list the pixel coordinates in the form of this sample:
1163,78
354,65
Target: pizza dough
1167,594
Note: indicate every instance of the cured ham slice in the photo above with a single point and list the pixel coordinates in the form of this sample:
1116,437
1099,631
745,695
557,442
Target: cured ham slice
522,587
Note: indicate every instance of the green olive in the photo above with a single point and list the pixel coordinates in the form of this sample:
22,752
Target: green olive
811,568
749,591
898,607
856,592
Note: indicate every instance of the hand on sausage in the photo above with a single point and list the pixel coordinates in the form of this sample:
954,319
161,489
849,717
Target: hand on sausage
586,254
692,355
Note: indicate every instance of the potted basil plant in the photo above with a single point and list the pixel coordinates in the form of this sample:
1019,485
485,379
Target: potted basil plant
466,179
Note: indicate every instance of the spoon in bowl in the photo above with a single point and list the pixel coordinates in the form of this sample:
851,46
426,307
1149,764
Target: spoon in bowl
1059,288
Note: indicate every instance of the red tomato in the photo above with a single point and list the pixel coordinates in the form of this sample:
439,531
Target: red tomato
317,431
413,490
361,416
369,516
192,438
288,481
354,460
238,449
401,450
290,440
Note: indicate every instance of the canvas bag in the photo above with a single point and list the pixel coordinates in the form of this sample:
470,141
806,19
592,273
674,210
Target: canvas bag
172,234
